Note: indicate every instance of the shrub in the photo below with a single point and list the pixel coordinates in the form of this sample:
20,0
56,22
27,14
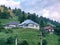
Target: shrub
43,43
24,43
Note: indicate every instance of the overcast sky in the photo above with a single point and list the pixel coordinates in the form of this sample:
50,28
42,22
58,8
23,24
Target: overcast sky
46,8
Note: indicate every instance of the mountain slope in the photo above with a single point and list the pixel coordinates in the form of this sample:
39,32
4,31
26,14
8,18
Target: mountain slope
30,35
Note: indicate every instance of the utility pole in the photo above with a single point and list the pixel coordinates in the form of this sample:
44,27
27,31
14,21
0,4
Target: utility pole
41,37
16,40
41,25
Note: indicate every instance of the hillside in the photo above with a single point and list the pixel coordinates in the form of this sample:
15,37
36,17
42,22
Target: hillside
14,19
30,35
7,36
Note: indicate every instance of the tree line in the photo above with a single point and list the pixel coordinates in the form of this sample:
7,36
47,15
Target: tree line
7,13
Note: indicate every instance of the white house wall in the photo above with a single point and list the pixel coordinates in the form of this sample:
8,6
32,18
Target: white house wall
31,26
9,26
12,25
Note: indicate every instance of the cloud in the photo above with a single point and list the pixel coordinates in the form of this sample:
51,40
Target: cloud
46,8
52,12
37,4
10,3
2,2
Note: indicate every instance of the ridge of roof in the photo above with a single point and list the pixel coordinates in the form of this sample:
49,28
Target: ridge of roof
29,21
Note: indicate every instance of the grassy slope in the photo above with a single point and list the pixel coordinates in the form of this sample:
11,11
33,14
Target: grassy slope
4,21
27,34
31,36
52,39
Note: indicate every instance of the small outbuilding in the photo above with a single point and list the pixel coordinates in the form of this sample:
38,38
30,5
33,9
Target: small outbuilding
49,29
10,25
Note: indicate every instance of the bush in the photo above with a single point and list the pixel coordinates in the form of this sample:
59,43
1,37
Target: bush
44,42
24,43
39,43
10,40
57,31
2,42
9,31
59,41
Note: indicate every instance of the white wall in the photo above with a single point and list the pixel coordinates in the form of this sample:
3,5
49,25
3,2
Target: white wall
33,26
10,26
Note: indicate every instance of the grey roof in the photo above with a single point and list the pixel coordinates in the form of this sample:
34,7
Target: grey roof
12,23
28,21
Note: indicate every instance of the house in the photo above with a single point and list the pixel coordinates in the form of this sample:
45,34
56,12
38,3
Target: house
10,25
29,24
49,29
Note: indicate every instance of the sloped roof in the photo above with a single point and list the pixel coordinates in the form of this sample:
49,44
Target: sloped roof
12,23
48,27
28,21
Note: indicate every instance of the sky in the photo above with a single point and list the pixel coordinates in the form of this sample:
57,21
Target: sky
46,8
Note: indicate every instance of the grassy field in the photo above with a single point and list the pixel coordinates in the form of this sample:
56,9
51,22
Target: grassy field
31,36
4,21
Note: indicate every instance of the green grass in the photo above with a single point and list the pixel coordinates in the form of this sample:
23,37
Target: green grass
30,35
52,39
4,21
